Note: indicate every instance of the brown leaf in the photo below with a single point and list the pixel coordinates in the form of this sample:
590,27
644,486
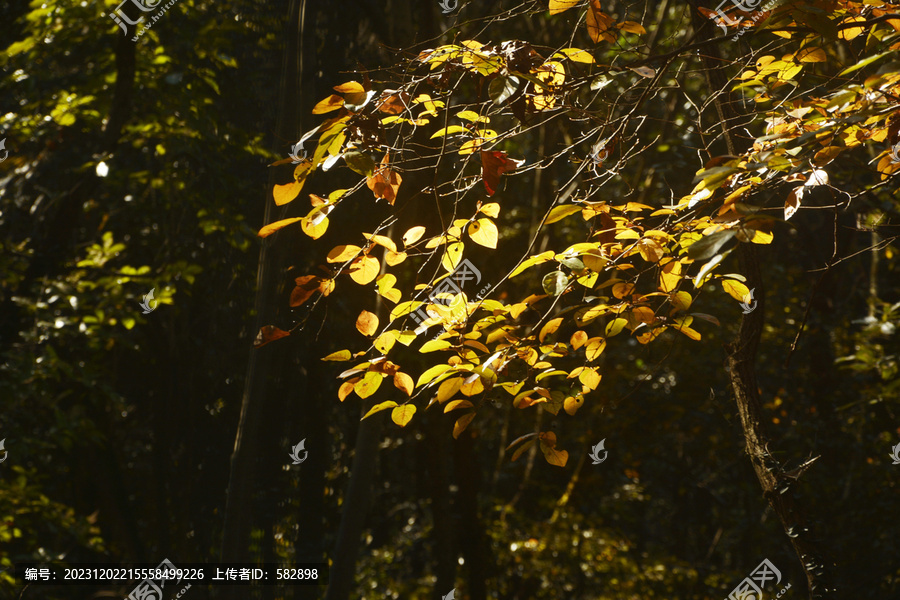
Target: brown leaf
494,164
268,333
306,287
385,182
600,25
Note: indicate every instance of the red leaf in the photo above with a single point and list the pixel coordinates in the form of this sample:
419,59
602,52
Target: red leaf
494,164
268,333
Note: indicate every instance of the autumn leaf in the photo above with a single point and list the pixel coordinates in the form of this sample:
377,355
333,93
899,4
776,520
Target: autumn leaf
364,269
286,193
600,25
385,182
332,102
306,286
483,232
559,6
342,253
273,227
340,355
380,407
461,424
268,333
413,235
367,323
403,414
403,382
735,289
551,454
792,204
368,385
494,164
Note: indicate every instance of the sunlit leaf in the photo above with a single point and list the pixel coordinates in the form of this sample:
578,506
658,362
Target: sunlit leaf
452,256
385,182
332,102
594,348
493,164
273,227
483,232
364,269
560,6
340,355
735,289
368,385
342,253
403,414
558,213
413,235
367,323
555,283
380,406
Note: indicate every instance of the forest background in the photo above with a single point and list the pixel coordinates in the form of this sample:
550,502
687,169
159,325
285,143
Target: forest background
621,175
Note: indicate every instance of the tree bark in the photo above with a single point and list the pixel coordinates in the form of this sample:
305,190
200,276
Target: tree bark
777,488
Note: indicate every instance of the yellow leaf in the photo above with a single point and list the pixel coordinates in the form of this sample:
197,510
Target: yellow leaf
491,209
578,339
590,378
273,227
483,232
681,301
332,102
339,355
558,213
385,342
453,405
448,388
394,258
852,32
735,289
287,192
351,87
402,414
572,404
461,424
621,290
364,269
314,228
549,328
449,130
434,345
368,385
413,235
578,55
403,382
670,276
472,386
615,326
342,253
367,323
559,6
431,374
381,240
452,256
631,27
812,54
380,407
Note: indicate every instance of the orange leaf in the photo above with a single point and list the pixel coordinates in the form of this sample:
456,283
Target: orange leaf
268,333
287,192
306,287
351,87
403,382
558,6
273,227
600,24
346,388
494,164
385,182
332,102
367,323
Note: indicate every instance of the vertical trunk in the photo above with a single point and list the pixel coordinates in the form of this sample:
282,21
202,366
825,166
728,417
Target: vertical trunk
265,365
472,540
443,554
777,487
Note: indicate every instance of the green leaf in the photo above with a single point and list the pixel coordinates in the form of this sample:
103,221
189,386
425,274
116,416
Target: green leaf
555,283
360,162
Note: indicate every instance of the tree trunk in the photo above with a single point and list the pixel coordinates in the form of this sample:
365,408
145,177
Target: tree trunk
777,487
